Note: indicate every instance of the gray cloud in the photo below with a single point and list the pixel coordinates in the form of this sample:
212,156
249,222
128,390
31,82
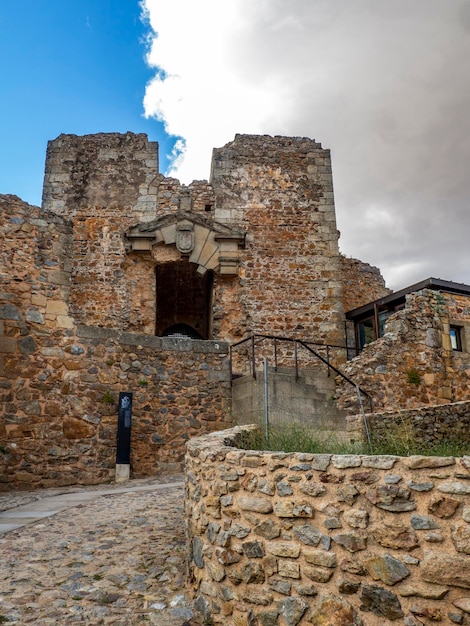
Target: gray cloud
386,86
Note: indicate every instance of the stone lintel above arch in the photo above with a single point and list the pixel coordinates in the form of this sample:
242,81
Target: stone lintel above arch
209,244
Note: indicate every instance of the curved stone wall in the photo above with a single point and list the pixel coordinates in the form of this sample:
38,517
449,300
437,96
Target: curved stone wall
278,538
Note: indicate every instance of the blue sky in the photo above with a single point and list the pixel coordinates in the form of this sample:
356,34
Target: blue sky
385,85
73,66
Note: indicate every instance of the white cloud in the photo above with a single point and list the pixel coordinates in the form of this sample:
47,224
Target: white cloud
383,84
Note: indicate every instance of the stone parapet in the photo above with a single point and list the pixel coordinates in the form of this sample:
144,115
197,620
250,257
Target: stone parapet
331,540
431,425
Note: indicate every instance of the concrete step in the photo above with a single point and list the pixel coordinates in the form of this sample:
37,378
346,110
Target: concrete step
307,397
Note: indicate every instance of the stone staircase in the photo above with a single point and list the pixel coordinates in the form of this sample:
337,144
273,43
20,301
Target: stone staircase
306,399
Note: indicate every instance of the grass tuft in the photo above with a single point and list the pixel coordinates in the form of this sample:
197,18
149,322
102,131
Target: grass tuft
399,440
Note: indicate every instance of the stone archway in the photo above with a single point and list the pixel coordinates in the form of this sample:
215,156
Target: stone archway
186,250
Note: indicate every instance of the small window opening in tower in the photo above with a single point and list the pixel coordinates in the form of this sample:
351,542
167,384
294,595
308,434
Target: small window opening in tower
184,300
208,207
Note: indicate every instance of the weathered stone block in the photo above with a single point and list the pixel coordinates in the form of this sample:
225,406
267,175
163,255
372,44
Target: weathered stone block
442,506
396,536
293,508
460,534
292,610
356,518
351,541
283,549
268,529
423,522
255,504
288,569
447,569
455,487
320,557
381,602
254,549
330,610
308,534
253,573
418,462
318,574
387,569
420,590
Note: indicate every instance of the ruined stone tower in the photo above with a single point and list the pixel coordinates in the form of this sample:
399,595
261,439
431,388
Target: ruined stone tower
255,249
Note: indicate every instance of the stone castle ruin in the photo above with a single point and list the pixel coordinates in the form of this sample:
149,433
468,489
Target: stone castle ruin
126,280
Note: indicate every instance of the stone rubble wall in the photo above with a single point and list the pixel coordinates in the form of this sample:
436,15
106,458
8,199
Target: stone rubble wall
432,425
60,382
362,283
104,184
115,171
280,190
35,271
58,422
331,540
413,364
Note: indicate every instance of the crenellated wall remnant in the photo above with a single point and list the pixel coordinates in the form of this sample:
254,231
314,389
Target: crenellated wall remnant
322,539
268,211
361,283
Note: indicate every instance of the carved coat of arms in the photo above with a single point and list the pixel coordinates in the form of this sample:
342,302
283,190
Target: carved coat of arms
185,237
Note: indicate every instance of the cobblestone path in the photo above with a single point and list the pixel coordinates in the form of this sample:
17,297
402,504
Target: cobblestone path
117,559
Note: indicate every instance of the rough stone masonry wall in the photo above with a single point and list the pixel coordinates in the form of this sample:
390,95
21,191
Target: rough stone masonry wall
430,425
107,183
413,364
330,540
104,184
362,283
58,423
59,383
280,190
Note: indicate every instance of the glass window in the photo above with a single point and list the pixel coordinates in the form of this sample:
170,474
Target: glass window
383,316
456,338
366,332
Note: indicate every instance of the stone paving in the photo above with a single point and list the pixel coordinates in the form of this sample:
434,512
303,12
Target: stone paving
118,558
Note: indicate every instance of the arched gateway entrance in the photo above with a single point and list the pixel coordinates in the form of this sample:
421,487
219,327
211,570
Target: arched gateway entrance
183,300
187,250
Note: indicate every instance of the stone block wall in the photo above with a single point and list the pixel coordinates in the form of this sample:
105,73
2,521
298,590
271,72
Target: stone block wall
431,425
115,171
103,184
413,364
58,423
277,538
35,274
362,283
280,190
59,382
277,190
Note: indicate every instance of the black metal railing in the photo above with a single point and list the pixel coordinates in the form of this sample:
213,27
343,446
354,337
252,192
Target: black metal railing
255,339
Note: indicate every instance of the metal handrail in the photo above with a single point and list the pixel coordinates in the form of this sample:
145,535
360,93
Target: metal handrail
307,345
